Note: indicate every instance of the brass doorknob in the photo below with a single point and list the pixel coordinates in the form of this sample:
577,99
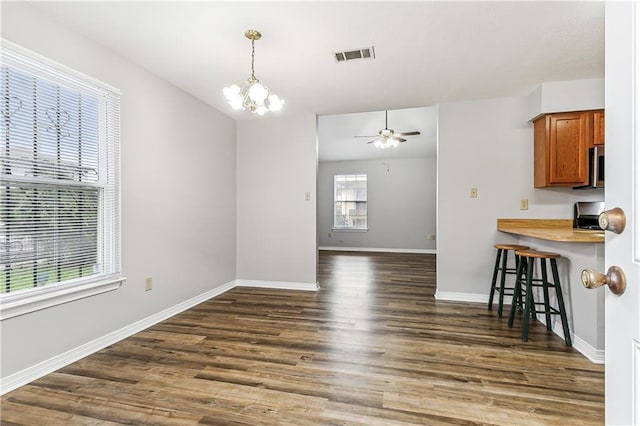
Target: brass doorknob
612,220
615,279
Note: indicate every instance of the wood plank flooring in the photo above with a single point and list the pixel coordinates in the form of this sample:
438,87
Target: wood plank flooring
372,347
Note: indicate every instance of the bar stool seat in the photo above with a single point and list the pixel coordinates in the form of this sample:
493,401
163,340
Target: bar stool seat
526,266
501,267
511,247
538,254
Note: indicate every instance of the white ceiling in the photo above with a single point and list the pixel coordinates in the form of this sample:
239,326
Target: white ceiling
426,52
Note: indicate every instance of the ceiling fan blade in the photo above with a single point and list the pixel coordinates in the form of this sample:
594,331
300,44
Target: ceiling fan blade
362,136
372,141
399,139
409,133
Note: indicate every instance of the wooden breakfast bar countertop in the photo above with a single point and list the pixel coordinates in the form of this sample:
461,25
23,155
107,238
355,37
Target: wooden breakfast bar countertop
550,229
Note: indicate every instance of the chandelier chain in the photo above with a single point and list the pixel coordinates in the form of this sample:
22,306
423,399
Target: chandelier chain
253,56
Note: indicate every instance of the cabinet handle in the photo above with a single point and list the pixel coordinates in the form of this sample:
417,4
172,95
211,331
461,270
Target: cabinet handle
612,220
615,279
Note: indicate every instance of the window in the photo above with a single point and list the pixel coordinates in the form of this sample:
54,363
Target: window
59,194
350,202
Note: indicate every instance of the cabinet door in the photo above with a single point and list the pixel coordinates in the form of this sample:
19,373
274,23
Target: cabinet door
598,128
568,149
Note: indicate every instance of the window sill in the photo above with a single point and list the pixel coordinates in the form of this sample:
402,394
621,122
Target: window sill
350,229
26,301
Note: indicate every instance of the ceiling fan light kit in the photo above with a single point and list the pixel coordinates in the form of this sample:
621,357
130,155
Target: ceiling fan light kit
387,138
386,143
251,94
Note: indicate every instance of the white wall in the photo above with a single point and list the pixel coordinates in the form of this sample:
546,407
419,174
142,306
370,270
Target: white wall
563,96
401,203
276,226
178,198
487,144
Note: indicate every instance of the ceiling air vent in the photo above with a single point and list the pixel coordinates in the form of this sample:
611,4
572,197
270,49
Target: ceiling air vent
351,55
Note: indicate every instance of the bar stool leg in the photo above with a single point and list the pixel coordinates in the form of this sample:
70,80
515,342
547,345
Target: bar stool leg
521,276
534,315
545,292
528,306
563,313
517,292
495,276
505,254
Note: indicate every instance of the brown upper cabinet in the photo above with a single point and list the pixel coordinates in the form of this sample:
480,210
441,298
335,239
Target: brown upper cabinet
561,147
598,127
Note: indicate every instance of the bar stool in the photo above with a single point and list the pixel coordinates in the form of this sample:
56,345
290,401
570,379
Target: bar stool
527,260
501,266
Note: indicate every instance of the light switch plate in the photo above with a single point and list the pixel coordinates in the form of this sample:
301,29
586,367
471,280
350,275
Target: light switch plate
524,204
473,193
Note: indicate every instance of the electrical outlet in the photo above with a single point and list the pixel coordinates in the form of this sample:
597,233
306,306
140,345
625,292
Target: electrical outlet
148,284
329,234
307,196
473,193
431,236
524,204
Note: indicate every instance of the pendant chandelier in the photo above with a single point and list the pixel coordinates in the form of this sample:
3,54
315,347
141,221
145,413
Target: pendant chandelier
251,94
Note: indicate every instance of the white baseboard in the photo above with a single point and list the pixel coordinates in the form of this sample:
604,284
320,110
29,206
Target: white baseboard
279,285
592,354
43,368
472,298
380,250
461,297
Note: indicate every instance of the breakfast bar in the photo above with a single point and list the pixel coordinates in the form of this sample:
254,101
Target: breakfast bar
550,229
580,249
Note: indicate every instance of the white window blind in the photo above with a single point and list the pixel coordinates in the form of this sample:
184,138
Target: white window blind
350,201
59,195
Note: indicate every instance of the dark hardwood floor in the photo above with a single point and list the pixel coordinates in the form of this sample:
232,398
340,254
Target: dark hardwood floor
372,347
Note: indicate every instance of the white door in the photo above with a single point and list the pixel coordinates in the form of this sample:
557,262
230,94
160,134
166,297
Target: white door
622,136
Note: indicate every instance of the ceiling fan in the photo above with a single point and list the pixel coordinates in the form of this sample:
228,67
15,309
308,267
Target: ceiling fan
387,138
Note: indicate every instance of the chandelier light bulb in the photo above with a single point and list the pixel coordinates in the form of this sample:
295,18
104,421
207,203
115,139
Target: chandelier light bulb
275,103
258,92
232,92
236,103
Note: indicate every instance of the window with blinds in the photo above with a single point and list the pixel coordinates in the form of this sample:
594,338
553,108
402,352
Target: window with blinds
59,166
350,201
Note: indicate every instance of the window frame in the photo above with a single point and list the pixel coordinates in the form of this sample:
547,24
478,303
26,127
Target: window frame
335,201
108,243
